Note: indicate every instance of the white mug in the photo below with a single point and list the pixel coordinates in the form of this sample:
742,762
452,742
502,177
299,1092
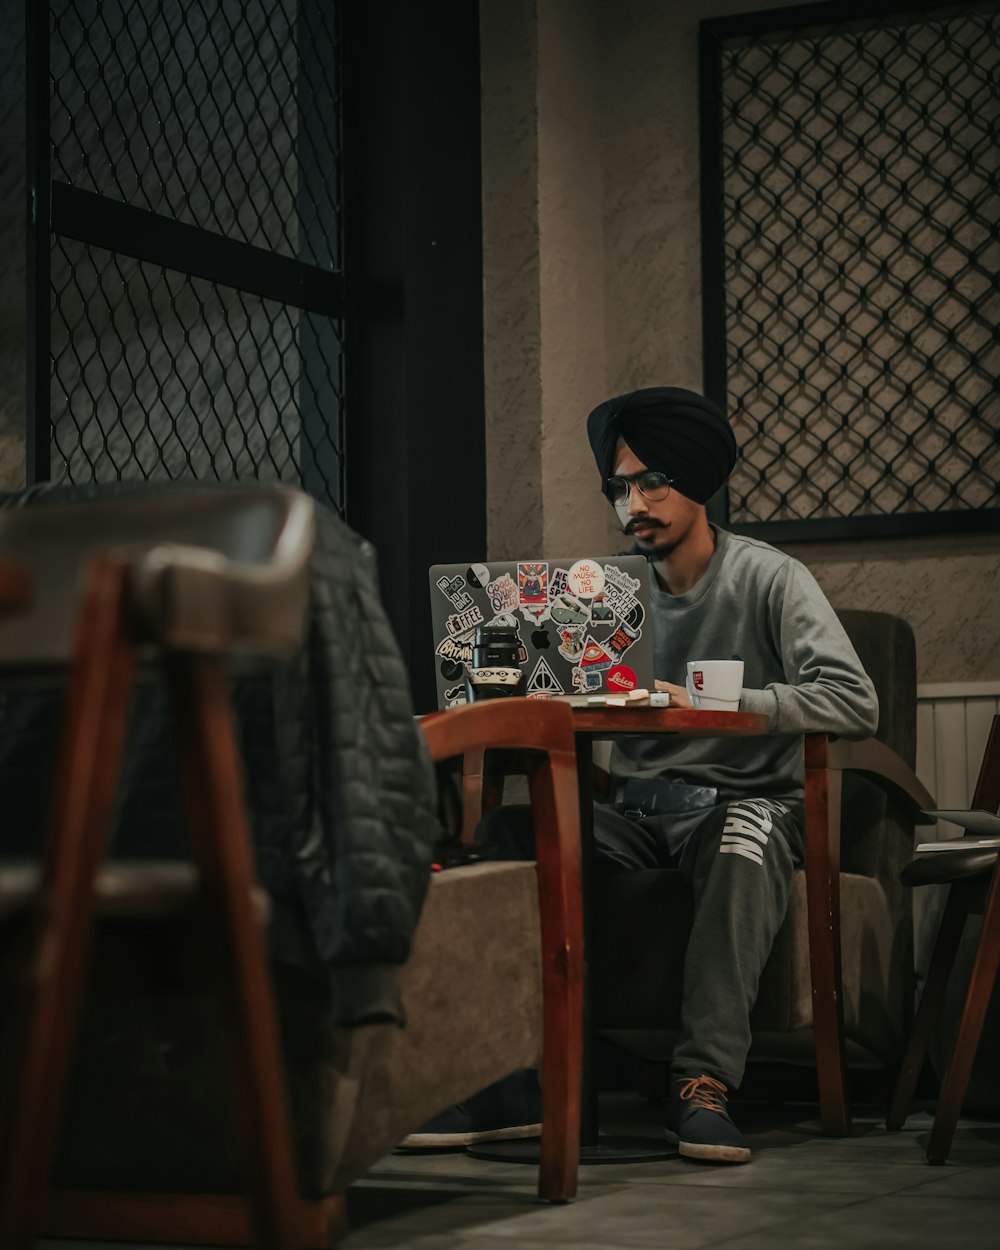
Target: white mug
715,685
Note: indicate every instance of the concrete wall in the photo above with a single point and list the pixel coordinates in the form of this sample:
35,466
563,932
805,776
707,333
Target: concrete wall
592,254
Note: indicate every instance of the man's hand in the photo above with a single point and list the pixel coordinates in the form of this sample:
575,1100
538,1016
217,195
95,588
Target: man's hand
678,694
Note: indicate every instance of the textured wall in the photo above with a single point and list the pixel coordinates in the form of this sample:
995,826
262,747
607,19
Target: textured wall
623,78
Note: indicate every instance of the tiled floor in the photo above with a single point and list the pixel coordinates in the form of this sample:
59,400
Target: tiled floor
801,1190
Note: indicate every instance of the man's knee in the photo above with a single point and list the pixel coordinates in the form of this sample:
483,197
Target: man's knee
763,832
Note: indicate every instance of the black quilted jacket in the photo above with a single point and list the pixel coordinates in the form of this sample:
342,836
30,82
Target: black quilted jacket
340,786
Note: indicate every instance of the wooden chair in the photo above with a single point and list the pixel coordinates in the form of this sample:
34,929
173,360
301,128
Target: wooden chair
973,878
233,573
354,1093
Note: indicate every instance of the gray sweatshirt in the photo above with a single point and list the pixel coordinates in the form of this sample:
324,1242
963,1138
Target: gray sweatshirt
759,604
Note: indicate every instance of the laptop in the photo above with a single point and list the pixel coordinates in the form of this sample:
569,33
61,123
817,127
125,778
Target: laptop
583,624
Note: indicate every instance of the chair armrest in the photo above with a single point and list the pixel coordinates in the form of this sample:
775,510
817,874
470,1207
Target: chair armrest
877,762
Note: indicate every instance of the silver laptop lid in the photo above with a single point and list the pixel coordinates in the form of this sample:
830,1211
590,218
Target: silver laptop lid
583,622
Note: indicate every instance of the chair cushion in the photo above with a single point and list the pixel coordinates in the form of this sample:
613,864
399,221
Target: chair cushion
149,1105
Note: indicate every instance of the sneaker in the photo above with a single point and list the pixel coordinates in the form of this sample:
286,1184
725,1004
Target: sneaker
505,1111
698,1121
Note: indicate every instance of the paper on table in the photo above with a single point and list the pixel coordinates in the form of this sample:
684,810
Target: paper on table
985,824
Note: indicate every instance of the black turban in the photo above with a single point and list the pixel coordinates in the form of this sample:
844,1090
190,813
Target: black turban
678,432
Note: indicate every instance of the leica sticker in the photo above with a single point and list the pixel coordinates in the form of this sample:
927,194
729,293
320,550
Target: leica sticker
543,682
586,578
621,677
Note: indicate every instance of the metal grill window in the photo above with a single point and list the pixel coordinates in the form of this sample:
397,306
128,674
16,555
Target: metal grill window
12,243
860,273
193,264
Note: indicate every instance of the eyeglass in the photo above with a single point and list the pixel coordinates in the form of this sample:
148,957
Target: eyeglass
650,483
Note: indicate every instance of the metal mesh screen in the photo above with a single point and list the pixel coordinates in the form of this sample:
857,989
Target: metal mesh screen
12,254
219,116
862,267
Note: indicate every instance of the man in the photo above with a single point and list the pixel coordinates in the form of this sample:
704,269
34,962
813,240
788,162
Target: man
728,812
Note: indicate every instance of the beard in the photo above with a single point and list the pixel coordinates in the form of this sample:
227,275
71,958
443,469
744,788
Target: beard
651,549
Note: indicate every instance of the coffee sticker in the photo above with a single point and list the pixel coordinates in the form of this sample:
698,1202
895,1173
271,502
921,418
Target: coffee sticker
586,578
463,622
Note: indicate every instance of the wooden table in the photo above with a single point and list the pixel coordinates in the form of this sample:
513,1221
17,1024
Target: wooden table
602,724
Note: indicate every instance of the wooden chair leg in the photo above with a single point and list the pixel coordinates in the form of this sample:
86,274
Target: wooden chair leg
86,782
981,983
822,835
942,959
221,846
553,782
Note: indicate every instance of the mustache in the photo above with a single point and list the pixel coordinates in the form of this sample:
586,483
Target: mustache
647,523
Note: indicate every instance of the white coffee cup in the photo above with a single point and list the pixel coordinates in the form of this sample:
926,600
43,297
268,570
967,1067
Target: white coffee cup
715,685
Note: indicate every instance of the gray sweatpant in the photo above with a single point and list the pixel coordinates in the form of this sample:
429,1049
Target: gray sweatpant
739,857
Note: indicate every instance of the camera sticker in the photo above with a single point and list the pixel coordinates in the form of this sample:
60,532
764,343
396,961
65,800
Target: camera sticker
543,681
454,591
502,594
463,622
571,643
478,575
621,677
586,578
586,680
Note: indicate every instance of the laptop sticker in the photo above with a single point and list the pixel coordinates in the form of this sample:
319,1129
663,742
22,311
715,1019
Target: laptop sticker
566,609
558,583
542,681
503,594
454,591
571,642
533,591
586,680
464,622
478,575
600,611
621,677
586,578
595,657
